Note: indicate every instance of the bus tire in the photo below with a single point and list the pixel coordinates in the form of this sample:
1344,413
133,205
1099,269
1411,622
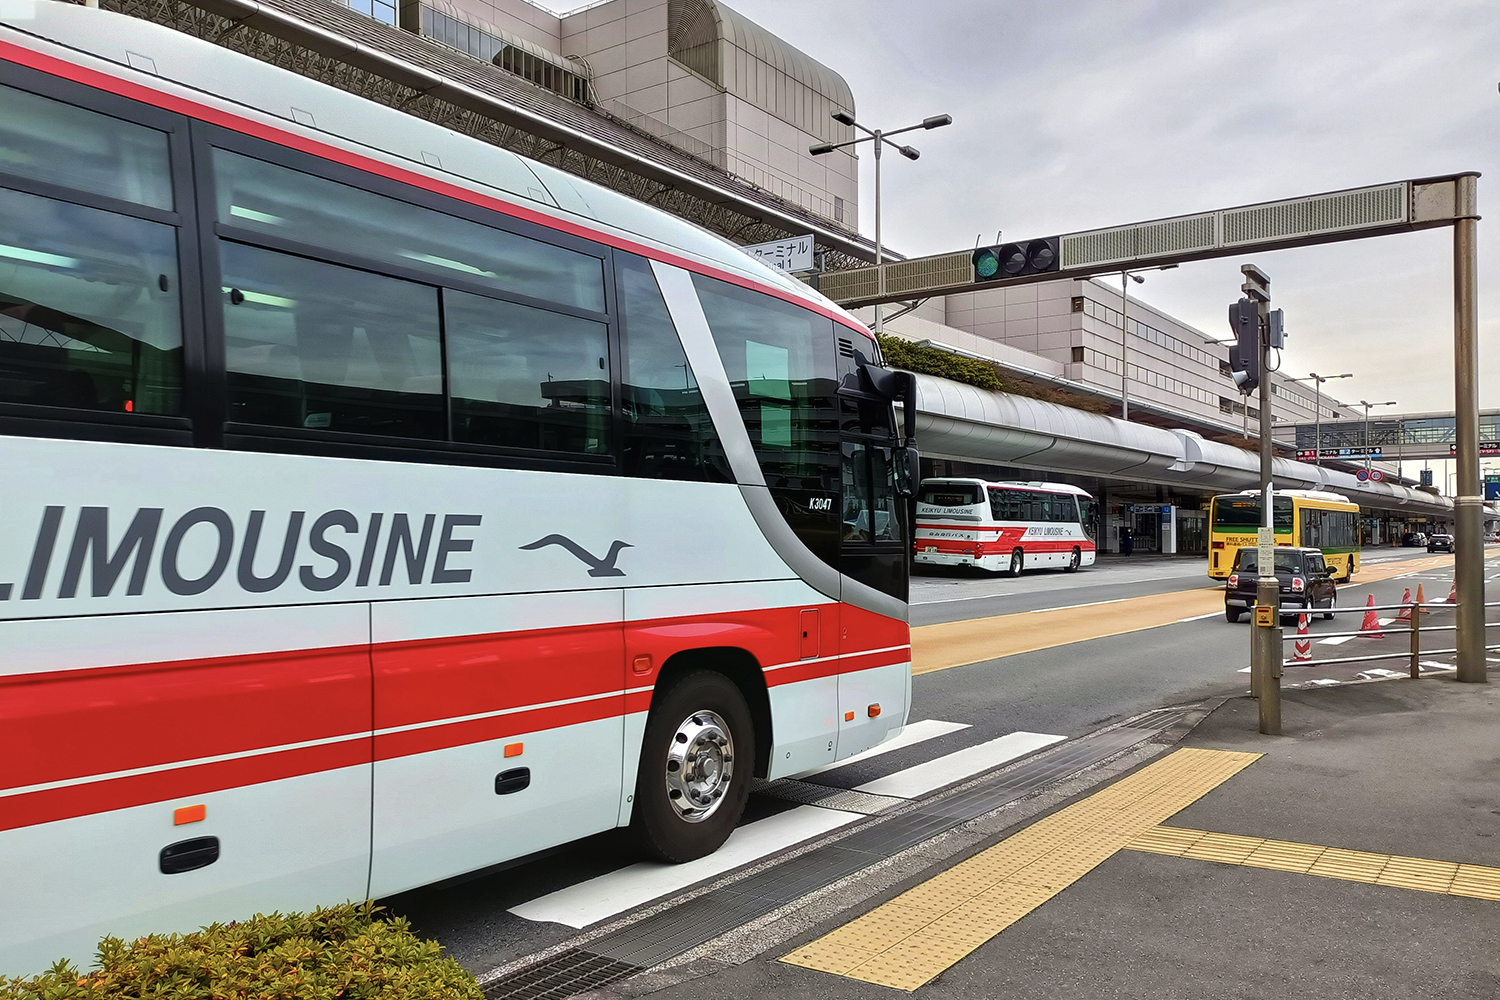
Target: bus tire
1017,563
697,759
1231,615
1075,561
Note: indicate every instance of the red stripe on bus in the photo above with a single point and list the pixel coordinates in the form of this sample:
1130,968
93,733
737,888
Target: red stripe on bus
146,95
66,724
86,724
48,805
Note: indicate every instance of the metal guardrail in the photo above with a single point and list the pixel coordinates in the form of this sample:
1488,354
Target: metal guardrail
1415,630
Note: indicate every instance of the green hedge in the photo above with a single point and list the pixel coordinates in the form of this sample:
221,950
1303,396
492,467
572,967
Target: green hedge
347,952
931,361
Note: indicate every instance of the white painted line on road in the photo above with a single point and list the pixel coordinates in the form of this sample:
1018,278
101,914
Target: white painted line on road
1198,618
1243,670
914,733
1324,682
1435,665
1337,640
599,898
1380,672
929,777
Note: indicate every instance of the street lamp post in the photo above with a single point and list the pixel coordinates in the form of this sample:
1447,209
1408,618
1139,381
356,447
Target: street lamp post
1368,406
880,137
1125,278
1317,381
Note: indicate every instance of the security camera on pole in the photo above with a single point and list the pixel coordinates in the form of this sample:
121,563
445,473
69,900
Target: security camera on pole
1257,329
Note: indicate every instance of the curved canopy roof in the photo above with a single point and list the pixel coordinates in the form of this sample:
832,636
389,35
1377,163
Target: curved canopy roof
970,424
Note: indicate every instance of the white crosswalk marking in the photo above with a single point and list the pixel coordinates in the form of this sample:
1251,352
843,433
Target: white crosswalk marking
599,898
607,895
914,733
929,777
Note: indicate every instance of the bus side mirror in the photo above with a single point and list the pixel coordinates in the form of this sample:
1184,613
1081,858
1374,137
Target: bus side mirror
906,460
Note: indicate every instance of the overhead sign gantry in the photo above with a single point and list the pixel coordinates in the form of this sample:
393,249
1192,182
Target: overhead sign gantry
1330,217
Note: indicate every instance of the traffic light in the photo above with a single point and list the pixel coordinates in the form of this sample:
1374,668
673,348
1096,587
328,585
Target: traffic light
1015,260
1244,354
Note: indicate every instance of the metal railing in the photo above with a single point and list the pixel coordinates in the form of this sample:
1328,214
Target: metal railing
1415,629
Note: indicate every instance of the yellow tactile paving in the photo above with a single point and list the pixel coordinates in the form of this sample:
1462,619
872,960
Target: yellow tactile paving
1420,874
956,644
927,929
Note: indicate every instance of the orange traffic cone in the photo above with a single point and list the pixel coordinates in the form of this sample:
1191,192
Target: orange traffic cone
1421,601
1453,592
1370,627
1405,615
1302,648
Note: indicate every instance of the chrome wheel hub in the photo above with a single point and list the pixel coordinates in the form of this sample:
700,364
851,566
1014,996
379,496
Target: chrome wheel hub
700,766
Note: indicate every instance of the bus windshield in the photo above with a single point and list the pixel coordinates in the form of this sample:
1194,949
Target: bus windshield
1243,514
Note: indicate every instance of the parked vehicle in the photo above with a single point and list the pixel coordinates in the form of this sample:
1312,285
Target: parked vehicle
1004,527
1305,581
1439,540
1413,540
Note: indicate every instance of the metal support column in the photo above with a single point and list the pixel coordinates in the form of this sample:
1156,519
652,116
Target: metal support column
1266,648
1468,542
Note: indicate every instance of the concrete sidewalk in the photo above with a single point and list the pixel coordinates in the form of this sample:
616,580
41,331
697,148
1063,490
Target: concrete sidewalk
1403,768
1400,767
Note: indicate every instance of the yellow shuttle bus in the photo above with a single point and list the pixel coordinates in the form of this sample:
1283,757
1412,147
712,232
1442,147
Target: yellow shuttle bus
1311,518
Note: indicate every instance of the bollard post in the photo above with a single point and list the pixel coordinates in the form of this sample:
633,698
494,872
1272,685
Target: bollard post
1416,640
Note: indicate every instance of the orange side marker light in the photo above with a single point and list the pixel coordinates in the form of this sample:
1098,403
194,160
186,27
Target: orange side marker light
848,716
514,749
641,664
873,711
189,814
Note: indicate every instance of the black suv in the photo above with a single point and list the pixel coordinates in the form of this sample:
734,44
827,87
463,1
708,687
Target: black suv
1439,541
1305,582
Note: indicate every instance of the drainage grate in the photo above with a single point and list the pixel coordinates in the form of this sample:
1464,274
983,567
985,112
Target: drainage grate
568,974
672,932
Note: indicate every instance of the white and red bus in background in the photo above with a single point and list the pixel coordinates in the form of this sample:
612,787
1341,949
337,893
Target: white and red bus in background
381,506
1006,527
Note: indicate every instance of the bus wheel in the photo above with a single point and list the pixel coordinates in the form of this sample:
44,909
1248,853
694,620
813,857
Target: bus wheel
1017,562
1075,560
697,756
1230,614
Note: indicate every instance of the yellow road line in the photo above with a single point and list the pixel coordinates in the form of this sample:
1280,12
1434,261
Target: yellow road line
906,942
957,644
1420,874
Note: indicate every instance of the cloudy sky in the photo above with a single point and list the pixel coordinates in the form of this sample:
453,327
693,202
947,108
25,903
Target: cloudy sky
1076,115
1070,116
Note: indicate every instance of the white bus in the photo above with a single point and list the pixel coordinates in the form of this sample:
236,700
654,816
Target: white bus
1004,527
382,506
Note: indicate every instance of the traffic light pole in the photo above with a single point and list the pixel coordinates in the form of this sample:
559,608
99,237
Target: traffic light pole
1468,570
1265,649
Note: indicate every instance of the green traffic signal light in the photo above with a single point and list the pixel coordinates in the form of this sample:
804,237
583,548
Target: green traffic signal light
986,263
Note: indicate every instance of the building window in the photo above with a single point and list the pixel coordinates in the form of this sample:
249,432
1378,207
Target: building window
1078,354
511,58
378,9
838,209
1078,303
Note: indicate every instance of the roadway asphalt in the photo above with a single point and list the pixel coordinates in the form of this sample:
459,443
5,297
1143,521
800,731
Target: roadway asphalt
1067,690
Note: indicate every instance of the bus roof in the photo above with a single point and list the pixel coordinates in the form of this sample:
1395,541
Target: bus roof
1011,484
1325,495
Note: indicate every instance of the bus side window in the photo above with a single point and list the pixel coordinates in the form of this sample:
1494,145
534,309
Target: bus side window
318,346
668,431
90,314
523,377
